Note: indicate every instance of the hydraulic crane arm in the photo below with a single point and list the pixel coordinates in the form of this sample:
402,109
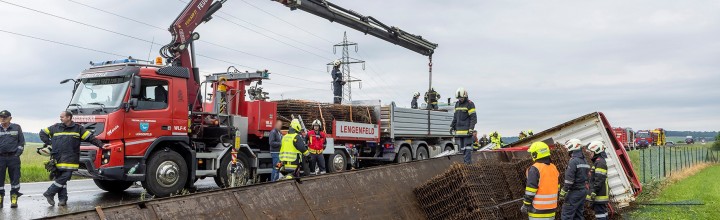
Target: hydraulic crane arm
180,51
365,24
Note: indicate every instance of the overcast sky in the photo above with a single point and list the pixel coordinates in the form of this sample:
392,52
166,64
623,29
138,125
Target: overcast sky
526,64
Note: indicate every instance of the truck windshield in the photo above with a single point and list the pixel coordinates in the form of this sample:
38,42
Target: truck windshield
95,91
642,135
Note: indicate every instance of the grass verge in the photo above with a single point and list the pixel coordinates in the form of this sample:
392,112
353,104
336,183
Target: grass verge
32,167
694,184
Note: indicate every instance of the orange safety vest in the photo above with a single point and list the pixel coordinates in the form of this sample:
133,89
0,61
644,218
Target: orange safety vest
547,194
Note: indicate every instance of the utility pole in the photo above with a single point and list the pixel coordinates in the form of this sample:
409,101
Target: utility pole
345,62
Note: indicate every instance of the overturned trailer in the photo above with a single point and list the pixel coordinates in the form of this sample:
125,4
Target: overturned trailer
382,192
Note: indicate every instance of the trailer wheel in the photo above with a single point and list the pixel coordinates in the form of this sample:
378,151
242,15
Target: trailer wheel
422,153
337,162
404,155
113,186
448,148
167,173
224,172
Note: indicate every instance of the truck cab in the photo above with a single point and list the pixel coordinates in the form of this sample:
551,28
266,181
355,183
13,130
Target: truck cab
643,139
141,112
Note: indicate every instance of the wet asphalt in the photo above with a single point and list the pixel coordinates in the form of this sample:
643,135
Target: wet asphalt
82,195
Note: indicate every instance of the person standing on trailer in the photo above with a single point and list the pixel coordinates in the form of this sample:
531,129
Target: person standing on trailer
292,151
598,181
574,190
275,142
431,98
338,82
65,138
414,103
12,144
541,187
316,143
463,124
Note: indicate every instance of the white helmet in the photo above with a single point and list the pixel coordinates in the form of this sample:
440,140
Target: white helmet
416,94
596,147
573,144
317,122
44,151
337,62
461,93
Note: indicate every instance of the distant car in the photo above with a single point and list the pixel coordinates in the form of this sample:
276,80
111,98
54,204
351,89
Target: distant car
689,140
670,144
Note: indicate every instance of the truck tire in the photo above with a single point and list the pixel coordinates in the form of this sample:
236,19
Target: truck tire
166,173
448,148
422,153
113,186
224,172
404,155
337,162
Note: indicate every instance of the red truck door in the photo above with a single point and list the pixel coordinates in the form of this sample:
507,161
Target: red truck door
151,118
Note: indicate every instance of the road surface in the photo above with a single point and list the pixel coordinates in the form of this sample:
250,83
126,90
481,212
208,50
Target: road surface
82,195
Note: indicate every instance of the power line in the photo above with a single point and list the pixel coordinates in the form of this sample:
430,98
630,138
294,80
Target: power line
285,75
61,43
299,28
108,12
78,22
378,75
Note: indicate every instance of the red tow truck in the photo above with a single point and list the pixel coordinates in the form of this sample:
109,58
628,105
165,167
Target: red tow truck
158,132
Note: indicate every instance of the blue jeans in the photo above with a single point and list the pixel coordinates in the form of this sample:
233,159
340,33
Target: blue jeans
275,159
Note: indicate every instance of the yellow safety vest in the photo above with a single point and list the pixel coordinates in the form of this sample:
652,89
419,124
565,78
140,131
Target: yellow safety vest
289,155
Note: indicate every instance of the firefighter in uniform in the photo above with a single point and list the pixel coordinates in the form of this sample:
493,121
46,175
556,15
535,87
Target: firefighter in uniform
292,151
484,140
522,135
598,180
463,123
541,188
65,138
338,82
316,143
573,191
413,103
431,98
12,144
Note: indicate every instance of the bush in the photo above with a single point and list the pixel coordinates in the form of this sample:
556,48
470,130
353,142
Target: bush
716,143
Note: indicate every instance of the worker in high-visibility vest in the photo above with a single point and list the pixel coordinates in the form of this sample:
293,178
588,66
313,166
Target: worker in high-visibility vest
598,181
496,139
574,189
541,188
292,151
522,135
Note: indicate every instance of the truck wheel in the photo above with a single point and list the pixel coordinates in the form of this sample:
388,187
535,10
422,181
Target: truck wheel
113,186
448,148
166,173
422,153
224,172
404,155
337,162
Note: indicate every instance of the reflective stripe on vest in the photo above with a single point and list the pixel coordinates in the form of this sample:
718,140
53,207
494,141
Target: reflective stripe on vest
546,197
288,152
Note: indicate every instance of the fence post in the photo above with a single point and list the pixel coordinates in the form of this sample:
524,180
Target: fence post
659,168
664,170
642,164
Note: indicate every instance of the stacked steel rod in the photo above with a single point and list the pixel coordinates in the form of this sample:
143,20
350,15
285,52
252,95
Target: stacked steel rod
325,112
485,190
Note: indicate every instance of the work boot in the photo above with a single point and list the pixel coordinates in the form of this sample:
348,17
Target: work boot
13,200
322,172
62,203
1,201
50,199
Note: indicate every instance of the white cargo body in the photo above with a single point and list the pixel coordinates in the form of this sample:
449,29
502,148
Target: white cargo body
623,183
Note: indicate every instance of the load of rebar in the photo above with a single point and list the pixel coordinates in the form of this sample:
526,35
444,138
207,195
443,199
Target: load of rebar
487,189
325,112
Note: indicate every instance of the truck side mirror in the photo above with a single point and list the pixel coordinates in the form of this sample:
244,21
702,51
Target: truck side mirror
133,103
135,87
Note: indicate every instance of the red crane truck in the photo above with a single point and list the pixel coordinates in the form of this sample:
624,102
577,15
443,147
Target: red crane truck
152,119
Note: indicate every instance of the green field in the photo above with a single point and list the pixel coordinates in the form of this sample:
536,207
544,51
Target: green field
703,187
32,168
648,163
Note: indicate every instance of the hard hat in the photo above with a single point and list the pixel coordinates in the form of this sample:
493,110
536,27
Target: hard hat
596,147
461,93
295,124
539,150
44,151
573,144
416,94
337,62
317,122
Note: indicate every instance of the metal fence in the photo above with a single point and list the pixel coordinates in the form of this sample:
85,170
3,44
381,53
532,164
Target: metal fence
659,162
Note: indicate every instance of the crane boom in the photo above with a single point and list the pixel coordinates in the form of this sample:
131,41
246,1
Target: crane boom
365,24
